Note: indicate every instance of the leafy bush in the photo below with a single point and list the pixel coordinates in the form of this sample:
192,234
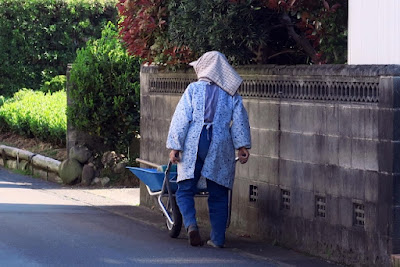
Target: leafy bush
106,90
2,100
236,29
36,114
38,38
144,30
246,31
318,27
57,83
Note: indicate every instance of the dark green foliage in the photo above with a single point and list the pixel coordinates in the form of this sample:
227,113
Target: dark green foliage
175,32
243,30
334,41
57,83
236,29
3,125
106,90
38,38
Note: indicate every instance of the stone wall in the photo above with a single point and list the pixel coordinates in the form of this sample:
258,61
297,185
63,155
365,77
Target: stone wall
323,173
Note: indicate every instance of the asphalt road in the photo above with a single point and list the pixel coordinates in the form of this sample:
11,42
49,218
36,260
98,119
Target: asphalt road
45,224
41,225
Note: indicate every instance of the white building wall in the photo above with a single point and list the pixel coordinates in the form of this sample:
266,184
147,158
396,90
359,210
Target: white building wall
374,32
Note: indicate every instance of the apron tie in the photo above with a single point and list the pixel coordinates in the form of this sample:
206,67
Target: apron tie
208,126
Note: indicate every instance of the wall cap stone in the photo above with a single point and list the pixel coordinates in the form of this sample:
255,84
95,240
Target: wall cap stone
301,70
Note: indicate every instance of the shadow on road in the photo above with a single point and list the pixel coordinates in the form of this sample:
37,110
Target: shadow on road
120,208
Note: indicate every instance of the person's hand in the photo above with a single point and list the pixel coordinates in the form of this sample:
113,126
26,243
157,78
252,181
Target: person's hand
174,156
243,155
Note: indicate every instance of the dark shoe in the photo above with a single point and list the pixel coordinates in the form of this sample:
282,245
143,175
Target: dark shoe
194,236
211,243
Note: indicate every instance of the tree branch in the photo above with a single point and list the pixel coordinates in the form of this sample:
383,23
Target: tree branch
300,40
281,53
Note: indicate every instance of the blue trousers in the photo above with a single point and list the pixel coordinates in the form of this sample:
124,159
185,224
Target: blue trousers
217,199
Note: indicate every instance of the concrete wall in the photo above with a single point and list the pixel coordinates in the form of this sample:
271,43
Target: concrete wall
323,173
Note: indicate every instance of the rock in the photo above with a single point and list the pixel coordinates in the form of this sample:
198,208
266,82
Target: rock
80,153
11,164
87,174
23,165
70,170
104,181
119,168
109,159
96,180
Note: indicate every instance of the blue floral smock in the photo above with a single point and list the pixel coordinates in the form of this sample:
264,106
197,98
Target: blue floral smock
231,130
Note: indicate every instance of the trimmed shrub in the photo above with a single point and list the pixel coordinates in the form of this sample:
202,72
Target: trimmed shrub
38,38
35,114
57,83
106,90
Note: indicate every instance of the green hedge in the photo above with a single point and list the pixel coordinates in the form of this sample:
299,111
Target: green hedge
36,114
106,89
38,38
57,83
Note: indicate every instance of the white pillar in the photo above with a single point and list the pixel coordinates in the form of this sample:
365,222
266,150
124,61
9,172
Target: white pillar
374,32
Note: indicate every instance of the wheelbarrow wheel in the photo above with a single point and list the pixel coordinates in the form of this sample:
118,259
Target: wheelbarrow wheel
174,229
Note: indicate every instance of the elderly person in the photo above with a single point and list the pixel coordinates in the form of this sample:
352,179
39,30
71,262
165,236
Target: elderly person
209,123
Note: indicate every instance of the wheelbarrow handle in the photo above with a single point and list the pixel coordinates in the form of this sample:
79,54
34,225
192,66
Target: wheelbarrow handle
166,179
154,165
148,163
168,166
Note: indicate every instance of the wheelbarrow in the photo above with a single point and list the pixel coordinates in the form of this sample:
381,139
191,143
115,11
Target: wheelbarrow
160,181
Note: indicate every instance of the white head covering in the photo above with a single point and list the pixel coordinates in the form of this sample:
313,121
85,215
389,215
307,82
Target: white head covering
215,67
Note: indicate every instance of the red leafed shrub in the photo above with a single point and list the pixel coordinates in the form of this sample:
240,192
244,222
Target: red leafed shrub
175,32
144,31
322,22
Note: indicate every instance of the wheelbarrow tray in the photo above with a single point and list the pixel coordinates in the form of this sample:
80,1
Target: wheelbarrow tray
157,185
154,179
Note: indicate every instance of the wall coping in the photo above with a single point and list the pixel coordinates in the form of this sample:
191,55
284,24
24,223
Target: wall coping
300,70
